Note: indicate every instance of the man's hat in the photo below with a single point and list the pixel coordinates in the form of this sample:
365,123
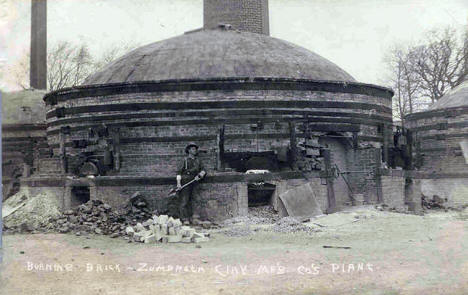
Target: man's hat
189,146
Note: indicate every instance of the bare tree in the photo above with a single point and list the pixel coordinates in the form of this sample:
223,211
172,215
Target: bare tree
19,72
440,62
404,81
67,65
422,74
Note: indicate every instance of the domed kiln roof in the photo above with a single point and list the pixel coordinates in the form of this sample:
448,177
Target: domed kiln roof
456,97
218,54
23,107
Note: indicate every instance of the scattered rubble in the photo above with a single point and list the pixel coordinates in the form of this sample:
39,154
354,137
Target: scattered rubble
238,231
291,225
240,226
29,213
257,215
402,210
264,212
249,220
435,203
264,215
245,226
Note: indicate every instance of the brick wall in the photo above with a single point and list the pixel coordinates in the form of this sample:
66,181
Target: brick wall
413,195
437,137
20,145
244,15
364,159
216,201
393,189
223,95
157,165
159,132
49,166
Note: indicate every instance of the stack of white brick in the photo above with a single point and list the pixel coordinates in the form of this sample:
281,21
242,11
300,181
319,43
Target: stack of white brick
165,229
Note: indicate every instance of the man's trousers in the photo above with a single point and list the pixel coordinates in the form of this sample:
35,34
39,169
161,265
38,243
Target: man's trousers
186,202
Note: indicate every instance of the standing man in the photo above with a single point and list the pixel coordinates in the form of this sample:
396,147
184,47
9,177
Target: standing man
192,168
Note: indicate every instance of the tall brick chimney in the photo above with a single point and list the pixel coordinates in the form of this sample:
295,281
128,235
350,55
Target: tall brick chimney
38,62
466,52
244,15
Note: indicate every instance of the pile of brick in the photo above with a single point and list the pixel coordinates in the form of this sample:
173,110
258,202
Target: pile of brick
137,208
92,217
97,217
165,229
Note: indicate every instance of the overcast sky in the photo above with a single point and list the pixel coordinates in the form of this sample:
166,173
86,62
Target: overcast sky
354,34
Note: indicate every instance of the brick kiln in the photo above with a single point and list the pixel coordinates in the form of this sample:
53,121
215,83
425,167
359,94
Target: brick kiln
440,137
249,100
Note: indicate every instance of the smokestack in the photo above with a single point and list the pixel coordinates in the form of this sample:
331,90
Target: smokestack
38,61
244,15
466,52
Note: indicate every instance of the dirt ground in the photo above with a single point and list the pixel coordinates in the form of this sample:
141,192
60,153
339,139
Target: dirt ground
389,253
